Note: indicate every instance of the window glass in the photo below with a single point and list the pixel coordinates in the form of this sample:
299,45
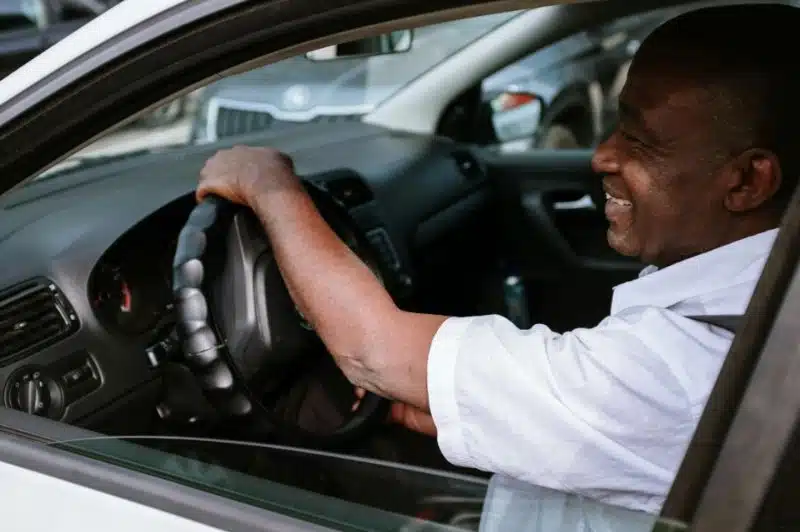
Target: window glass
351,493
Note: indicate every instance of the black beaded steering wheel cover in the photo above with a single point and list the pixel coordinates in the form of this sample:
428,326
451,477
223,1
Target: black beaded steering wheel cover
211,361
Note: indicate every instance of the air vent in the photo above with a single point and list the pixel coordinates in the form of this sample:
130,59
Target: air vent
33,315
468,165
350,191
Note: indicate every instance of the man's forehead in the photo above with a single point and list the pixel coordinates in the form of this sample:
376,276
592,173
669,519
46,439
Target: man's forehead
657,88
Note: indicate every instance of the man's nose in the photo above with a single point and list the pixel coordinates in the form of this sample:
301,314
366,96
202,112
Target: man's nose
605,159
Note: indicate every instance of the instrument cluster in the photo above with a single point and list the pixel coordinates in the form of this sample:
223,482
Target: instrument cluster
130,288
130,298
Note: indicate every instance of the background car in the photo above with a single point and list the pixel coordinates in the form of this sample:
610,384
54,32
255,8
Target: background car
27,27
322,87
565,96
568,90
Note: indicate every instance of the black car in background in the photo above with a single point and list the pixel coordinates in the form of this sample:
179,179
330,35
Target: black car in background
28,27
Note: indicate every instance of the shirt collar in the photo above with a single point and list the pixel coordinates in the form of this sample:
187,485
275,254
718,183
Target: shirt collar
713,270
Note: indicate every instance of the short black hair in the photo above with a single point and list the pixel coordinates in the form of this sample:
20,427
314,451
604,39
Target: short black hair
742,53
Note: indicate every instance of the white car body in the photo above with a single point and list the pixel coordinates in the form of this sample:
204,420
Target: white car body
76,508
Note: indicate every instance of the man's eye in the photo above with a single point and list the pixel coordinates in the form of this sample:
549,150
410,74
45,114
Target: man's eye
628,137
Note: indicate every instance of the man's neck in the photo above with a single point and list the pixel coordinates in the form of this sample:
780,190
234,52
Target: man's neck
734,233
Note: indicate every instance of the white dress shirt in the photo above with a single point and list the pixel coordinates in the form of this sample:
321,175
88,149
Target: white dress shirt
605,412
511,505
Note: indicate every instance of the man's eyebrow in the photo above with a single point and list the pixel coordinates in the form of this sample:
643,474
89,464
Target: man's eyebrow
635,118
630,113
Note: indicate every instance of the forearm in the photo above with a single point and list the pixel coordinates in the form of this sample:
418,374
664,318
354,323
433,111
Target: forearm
378,346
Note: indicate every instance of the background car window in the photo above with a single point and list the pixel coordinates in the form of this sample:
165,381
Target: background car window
22,15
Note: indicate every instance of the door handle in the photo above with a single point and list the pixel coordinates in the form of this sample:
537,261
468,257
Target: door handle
584,203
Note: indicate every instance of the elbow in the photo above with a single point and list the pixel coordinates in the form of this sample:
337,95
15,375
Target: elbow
361,346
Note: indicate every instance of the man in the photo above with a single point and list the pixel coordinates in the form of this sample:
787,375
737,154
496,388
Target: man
697,177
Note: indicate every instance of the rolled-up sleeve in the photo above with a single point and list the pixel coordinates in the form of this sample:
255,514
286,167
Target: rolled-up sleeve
598,411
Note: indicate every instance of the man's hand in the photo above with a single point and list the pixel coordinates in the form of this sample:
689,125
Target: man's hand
243,174
410,417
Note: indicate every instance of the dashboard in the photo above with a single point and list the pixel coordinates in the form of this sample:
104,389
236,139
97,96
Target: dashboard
86,314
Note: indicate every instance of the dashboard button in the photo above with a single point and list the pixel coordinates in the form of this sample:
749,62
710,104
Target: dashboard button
31,390
73,377
32,397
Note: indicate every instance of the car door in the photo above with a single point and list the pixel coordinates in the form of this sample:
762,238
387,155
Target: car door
21,23
554,222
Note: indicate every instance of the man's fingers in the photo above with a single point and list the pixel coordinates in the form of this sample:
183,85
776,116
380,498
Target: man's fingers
413,419
360,393
402,414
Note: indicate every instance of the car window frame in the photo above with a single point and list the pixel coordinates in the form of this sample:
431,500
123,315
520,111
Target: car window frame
757,327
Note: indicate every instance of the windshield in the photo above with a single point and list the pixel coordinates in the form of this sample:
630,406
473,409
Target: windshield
294,92
353,493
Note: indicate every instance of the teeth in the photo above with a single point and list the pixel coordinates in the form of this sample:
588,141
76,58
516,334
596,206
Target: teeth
618,201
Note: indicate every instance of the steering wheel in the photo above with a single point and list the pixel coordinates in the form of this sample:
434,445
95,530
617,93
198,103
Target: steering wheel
242,336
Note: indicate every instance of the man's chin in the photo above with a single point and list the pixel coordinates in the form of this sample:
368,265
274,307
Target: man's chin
622,243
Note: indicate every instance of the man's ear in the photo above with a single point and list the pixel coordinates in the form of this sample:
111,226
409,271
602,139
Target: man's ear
754,180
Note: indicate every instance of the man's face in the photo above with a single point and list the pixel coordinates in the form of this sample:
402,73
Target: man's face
665,201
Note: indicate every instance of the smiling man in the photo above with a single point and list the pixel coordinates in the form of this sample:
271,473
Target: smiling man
697,177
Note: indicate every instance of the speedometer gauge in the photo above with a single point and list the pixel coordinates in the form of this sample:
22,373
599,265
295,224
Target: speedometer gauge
118,303
111,291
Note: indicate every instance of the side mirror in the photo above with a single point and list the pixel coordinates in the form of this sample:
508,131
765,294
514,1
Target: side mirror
516,117
389,43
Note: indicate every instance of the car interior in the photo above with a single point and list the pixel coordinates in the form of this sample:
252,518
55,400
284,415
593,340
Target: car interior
100,296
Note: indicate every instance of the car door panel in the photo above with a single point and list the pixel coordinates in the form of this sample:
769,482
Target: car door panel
553,220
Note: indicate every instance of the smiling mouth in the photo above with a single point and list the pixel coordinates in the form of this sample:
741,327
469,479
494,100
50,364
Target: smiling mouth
617,201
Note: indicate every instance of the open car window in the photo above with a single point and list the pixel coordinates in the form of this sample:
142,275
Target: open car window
295,92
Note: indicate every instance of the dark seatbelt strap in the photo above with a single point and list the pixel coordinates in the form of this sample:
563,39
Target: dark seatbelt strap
728,322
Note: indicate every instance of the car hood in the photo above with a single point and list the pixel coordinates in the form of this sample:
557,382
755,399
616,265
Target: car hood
300,86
